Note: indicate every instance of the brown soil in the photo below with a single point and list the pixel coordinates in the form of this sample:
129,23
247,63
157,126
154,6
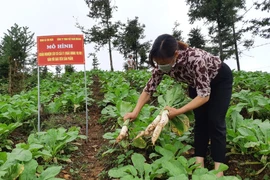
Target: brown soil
86,164
239,165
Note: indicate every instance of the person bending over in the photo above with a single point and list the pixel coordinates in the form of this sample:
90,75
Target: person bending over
210,87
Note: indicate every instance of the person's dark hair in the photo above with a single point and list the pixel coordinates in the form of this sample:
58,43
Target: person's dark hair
164,47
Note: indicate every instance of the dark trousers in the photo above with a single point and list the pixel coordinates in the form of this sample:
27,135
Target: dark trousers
210,117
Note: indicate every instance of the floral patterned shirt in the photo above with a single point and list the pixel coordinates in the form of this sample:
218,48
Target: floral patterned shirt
193,66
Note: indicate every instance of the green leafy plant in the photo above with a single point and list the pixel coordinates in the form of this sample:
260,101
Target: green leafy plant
56,140
169,165
139,170
247,136
19,165
5,131
253,102
18,109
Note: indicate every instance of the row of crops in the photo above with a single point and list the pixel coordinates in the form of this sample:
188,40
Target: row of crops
248,127
38,156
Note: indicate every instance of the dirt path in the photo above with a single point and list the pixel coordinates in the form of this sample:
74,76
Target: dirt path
85,162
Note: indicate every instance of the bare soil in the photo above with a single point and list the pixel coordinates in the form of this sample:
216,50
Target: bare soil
86,163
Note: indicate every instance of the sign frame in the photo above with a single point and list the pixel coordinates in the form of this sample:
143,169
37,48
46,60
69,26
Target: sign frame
61,50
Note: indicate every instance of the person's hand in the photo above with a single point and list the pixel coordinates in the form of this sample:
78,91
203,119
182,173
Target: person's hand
172,112
130,116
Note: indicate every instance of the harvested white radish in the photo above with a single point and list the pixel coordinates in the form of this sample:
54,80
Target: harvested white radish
156,133
140,134
164,120
152,126
123,132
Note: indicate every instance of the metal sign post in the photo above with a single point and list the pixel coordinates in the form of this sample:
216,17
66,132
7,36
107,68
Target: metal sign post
38,101
61,50
86,108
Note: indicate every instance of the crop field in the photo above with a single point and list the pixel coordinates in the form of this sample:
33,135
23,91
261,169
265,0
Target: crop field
63,150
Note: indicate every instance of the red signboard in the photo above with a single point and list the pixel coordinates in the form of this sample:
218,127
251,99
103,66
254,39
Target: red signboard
60,49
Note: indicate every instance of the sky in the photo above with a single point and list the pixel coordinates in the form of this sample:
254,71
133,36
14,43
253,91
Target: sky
55,17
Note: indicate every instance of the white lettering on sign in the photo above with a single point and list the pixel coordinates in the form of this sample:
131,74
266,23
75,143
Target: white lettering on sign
65,46
60,46
51,46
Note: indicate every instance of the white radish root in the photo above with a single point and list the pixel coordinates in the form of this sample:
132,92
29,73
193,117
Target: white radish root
152,126
156,133
164,120
123,132
142,133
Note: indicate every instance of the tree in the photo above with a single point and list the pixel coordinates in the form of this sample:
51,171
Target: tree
221,15
176,32
225,38
128,41
69,69
16,45
3,64
261,26
44,71
196,39
58,70
144,49
32,64
105,31
95,62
